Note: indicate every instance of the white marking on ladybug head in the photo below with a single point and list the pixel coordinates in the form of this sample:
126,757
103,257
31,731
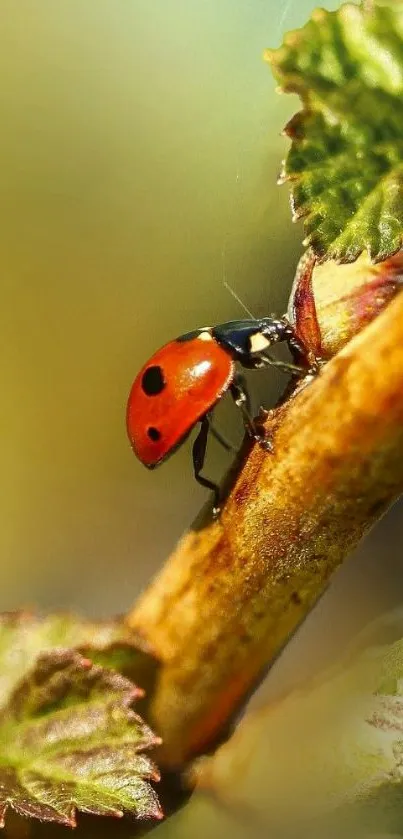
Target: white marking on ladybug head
258,343
205,335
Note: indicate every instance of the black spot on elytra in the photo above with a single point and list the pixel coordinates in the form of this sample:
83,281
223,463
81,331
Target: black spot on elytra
154,434
153,381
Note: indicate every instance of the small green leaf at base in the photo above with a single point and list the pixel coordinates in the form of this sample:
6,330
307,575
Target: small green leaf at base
345,164
69,737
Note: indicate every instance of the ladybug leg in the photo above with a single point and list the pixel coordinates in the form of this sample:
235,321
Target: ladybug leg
199,455
240,386
295,346
281,331
229,447
241,398
268,361
310,362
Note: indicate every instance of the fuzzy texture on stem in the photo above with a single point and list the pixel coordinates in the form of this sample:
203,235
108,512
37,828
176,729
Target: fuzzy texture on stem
232,593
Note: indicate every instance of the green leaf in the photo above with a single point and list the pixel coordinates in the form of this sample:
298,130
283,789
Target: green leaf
69,737
345,164
109,643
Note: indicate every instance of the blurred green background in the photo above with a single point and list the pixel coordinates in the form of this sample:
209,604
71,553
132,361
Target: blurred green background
140,144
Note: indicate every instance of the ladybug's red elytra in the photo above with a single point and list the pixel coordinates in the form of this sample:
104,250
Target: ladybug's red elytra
182,382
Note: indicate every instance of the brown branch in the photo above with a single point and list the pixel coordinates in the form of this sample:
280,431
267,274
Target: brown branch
231,594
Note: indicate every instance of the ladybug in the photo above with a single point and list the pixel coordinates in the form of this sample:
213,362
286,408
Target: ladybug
182,382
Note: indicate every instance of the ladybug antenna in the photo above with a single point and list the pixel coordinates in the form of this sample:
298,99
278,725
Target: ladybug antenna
229,288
